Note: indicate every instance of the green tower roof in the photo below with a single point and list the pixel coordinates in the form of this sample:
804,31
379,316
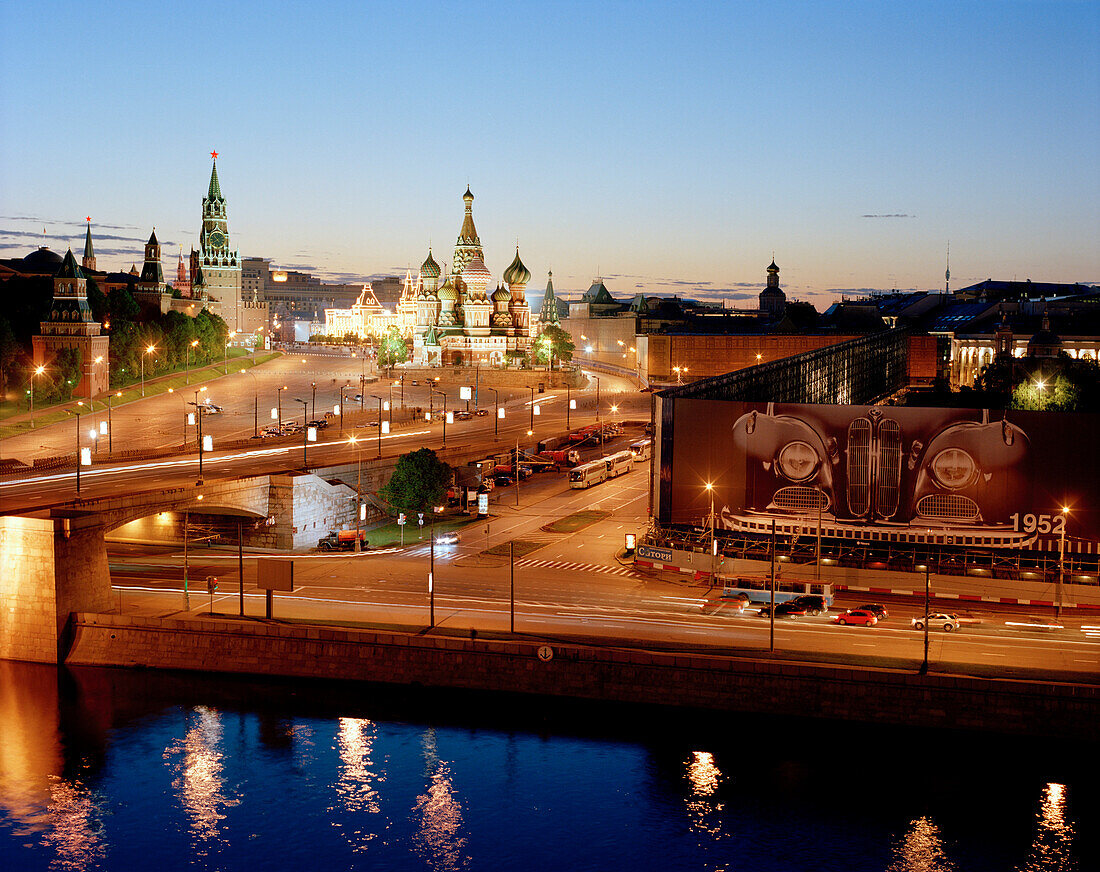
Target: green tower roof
215,192
69,268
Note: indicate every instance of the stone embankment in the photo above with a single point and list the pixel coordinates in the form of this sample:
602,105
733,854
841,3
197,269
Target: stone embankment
551,668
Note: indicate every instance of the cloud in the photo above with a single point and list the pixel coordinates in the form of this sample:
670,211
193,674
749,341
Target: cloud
892,215
53,221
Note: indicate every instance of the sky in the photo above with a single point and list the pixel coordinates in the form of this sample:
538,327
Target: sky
668,147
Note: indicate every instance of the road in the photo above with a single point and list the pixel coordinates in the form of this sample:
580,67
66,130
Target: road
46,489
573,587
247,398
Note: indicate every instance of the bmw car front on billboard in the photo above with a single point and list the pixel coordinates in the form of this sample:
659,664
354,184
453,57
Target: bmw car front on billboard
967,477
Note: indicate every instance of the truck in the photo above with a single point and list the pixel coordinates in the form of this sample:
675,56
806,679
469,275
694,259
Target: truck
342,540
561,457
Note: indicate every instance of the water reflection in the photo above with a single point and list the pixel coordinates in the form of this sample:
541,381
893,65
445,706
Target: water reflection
356,784
438,841
703,805
198,762
1052,850
76,831
921,850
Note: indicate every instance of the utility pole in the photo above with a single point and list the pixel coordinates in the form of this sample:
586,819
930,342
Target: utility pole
820,500
512,583
927,596
431,574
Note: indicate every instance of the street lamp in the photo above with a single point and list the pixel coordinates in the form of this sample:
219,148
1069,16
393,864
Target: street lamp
713,540
110,432
309,434
1040,384
496,411
225,355
148,350
354,440
431,392
255,404
37,371
532,408
375,397
1062,560
279,406
198,419
313,407
187,360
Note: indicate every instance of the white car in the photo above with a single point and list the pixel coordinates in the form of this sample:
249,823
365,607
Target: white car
938,620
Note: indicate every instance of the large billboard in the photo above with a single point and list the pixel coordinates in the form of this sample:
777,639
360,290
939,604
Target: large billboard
885,473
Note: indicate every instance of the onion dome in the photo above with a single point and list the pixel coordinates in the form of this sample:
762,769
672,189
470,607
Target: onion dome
429,269
517,273
41,262
476,274
448,292
501,294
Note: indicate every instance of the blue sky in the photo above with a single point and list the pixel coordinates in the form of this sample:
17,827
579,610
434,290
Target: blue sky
671,148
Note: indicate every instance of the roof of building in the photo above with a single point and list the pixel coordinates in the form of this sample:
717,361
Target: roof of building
153,238
215,191
429,268
69,268
42,261
1001,290
598,293
517,273
955,316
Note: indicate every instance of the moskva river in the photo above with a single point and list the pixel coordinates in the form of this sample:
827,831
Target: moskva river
128,770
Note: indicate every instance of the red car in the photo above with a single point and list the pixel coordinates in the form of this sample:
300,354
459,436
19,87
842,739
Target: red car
856,616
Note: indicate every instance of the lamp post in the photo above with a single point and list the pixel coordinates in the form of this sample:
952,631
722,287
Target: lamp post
771,611
432,391
198,421
496,411
597,378
532,408
353,440
927,598
313,406
305,433
187,360
38,371
148,350
342,389
1062,561
78,458
568,405
279,406
374,396
1040,384
431,574
110,431
225,355
713,540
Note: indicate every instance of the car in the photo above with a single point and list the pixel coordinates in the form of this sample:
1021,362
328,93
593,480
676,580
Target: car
876,609
319,423
815,604
856,616
448,538
415,383
783,610
502,479
937,620
358,398
481,413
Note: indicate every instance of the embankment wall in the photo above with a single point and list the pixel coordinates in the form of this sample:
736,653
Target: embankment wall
585,672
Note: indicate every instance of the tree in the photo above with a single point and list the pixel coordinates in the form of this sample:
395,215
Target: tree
419,481
554,342
392,348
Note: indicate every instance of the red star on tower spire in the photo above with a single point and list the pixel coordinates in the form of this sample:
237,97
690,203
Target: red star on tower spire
214,155
88,219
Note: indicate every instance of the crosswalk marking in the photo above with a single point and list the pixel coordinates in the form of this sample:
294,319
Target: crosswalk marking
576,567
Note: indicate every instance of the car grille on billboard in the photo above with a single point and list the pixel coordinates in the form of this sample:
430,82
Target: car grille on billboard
800,499
859,467
950,507
888,474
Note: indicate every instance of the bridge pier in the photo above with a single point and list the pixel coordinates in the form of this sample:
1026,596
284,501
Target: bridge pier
49,568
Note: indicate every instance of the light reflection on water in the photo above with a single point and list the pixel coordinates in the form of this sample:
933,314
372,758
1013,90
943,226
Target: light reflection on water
438,841
357,786
921,850
197,761
1052,850
126,773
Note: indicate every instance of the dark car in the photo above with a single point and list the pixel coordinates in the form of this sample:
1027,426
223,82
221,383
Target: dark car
876,609
320,423
783,610
481,413
463,416
502,479
814,604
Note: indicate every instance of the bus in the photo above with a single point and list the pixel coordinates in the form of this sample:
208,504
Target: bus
619,463
642,450
758,590
588,474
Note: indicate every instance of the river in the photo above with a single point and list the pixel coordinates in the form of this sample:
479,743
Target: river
128,770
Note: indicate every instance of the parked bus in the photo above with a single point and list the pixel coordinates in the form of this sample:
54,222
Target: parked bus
758,590
642,450
588,474
619,463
